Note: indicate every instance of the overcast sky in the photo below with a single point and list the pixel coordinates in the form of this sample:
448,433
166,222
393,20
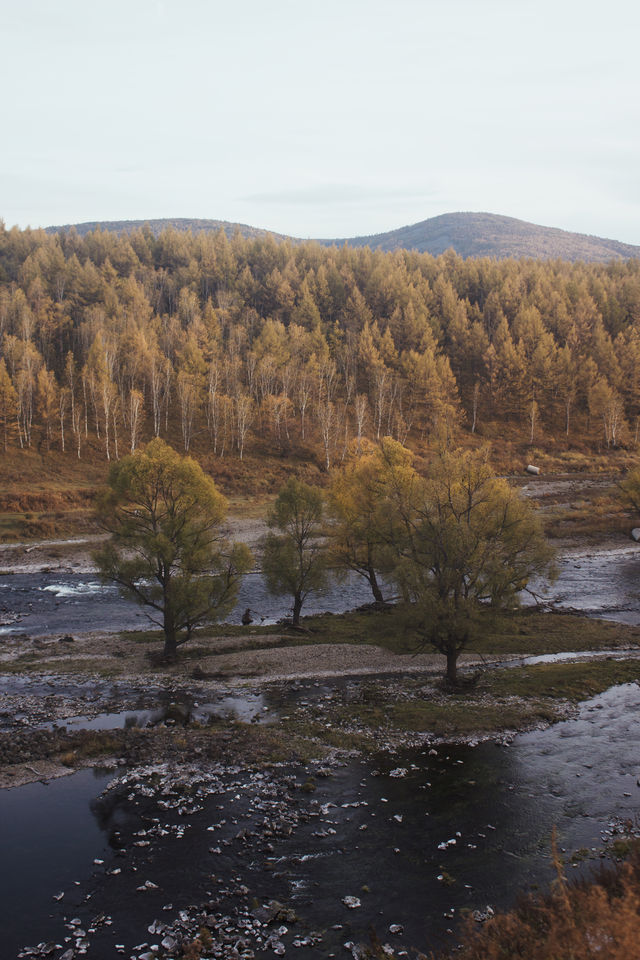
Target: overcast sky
328,118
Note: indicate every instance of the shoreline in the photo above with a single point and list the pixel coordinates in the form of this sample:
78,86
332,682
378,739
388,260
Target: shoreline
119,670
314,710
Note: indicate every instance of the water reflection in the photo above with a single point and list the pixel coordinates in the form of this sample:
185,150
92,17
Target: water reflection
48,838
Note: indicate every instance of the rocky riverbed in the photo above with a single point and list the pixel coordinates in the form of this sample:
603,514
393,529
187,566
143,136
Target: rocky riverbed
302,857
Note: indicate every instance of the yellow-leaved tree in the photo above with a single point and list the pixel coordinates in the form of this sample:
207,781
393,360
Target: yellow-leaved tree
166,551
358,499
461,544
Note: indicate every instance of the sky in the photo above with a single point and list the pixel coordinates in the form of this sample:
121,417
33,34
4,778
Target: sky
321,118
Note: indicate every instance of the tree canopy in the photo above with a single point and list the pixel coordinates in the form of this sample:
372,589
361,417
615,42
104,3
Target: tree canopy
224,346
165,549
462,543
294,559
359,500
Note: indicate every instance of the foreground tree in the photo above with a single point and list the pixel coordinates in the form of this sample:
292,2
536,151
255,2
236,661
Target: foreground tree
165,550
359,502
294,560
465,544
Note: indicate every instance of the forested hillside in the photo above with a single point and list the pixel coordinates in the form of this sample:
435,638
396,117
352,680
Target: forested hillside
167,223
252,347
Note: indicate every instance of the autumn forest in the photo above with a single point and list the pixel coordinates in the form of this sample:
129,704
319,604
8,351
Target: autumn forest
228,347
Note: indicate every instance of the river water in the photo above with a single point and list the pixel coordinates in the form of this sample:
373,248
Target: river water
460,829
40,604
481,817
601,583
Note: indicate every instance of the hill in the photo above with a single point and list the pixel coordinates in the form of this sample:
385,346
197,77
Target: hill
157,226
489,235
469,234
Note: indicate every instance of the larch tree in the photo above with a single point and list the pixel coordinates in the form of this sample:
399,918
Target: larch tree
8,405
47,402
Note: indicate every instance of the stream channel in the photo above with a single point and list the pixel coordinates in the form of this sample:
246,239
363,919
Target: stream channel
418,837
599,583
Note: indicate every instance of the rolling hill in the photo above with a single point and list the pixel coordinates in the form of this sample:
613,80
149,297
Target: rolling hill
157,226
489,235
469,234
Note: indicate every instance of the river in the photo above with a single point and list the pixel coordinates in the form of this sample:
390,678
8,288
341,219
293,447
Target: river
481,817
46,603
417,838
600,583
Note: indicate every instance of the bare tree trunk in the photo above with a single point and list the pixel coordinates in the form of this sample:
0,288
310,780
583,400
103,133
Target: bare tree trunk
452,666
114,417
533,417
476,395
297,607
373,581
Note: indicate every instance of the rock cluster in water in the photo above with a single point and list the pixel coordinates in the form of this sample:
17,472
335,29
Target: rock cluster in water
230,923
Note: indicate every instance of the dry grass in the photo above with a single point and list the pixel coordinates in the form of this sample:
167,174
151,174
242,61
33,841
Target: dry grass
579,921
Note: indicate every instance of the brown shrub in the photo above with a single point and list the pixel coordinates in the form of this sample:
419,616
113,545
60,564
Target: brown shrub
588,920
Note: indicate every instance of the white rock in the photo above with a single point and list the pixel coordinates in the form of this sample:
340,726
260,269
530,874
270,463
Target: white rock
351,902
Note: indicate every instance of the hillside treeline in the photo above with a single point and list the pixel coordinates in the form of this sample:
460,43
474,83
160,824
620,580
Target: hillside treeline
227,345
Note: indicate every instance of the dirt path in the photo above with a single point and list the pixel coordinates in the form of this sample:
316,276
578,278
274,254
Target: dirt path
232,659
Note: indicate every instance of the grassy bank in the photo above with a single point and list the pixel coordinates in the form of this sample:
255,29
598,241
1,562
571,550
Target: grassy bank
502,700
367,715
365,710
218,651
520,631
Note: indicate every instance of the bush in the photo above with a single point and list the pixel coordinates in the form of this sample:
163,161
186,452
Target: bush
587,920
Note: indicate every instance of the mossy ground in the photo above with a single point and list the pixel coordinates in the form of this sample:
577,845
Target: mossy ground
521,631
506,699
566,681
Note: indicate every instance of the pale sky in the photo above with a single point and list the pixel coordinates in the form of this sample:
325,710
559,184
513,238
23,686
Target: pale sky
330,118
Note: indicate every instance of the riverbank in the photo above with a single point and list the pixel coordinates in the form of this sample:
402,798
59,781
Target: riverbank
350,683
580,512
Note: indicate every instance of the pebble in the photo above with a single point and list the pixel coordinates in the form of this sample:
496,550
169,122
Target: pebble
351,902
